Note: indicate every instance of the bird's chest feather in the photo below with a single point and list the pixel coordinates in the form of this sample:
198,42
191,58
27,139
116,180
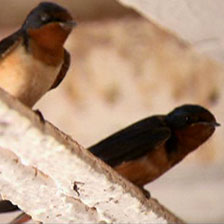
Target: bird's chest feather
146,168
26,77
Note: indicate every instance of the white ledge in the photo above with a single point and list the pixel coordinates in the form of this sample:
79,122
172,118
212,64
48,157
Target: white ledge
39,166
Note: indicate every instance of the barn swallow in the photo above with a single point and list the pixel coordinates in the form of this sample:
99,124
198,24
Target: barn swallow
148,148
33,59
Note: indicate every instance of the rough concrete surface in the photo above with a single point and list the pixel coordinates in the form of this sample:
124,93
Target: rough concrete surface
55,180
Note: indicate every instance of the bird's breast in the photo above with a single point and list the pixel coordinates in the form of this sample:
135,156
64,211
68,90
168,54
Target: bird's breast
146,168
26,77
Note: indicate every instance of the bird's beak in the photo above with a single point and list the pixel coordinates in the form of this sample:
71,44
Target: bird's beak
212,124
215,124
68,25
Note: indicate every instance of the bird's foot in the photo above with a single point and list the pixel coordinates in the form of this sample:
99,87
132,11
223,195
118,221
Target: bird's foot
40,115
146,193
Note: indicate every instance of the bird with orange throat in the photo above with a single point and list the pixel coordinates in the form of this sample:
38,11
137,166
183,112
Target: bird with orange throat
33,59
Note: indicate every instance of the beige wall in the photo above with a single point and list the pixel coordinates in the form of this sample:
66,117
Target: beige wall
13,12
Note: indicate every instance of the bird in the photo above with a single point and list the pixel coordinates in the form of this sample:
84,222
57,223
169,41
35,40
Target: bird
147,149
33,59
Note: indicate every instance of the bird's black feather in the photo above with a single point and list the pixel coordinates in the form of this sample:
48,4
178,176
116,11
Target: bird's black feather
7,206
63,71
132,142
9,42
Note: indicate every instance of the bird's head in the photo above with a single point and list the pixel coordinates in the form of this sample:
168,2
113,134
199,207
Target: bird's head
47,13
49,23
192,124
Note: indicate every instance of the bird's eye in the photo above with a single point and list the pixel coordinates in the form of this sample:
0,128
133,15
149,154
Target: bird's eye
44,17
191,119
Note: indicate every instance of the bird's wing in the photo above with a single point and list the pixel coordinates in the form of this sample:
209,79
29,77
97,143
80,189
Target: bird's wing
9,43
7,206
132,142
63,71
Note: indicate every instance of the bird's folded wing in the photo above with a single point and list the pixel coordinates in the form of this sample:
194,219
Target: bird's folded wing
132,142
63,71
9,43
